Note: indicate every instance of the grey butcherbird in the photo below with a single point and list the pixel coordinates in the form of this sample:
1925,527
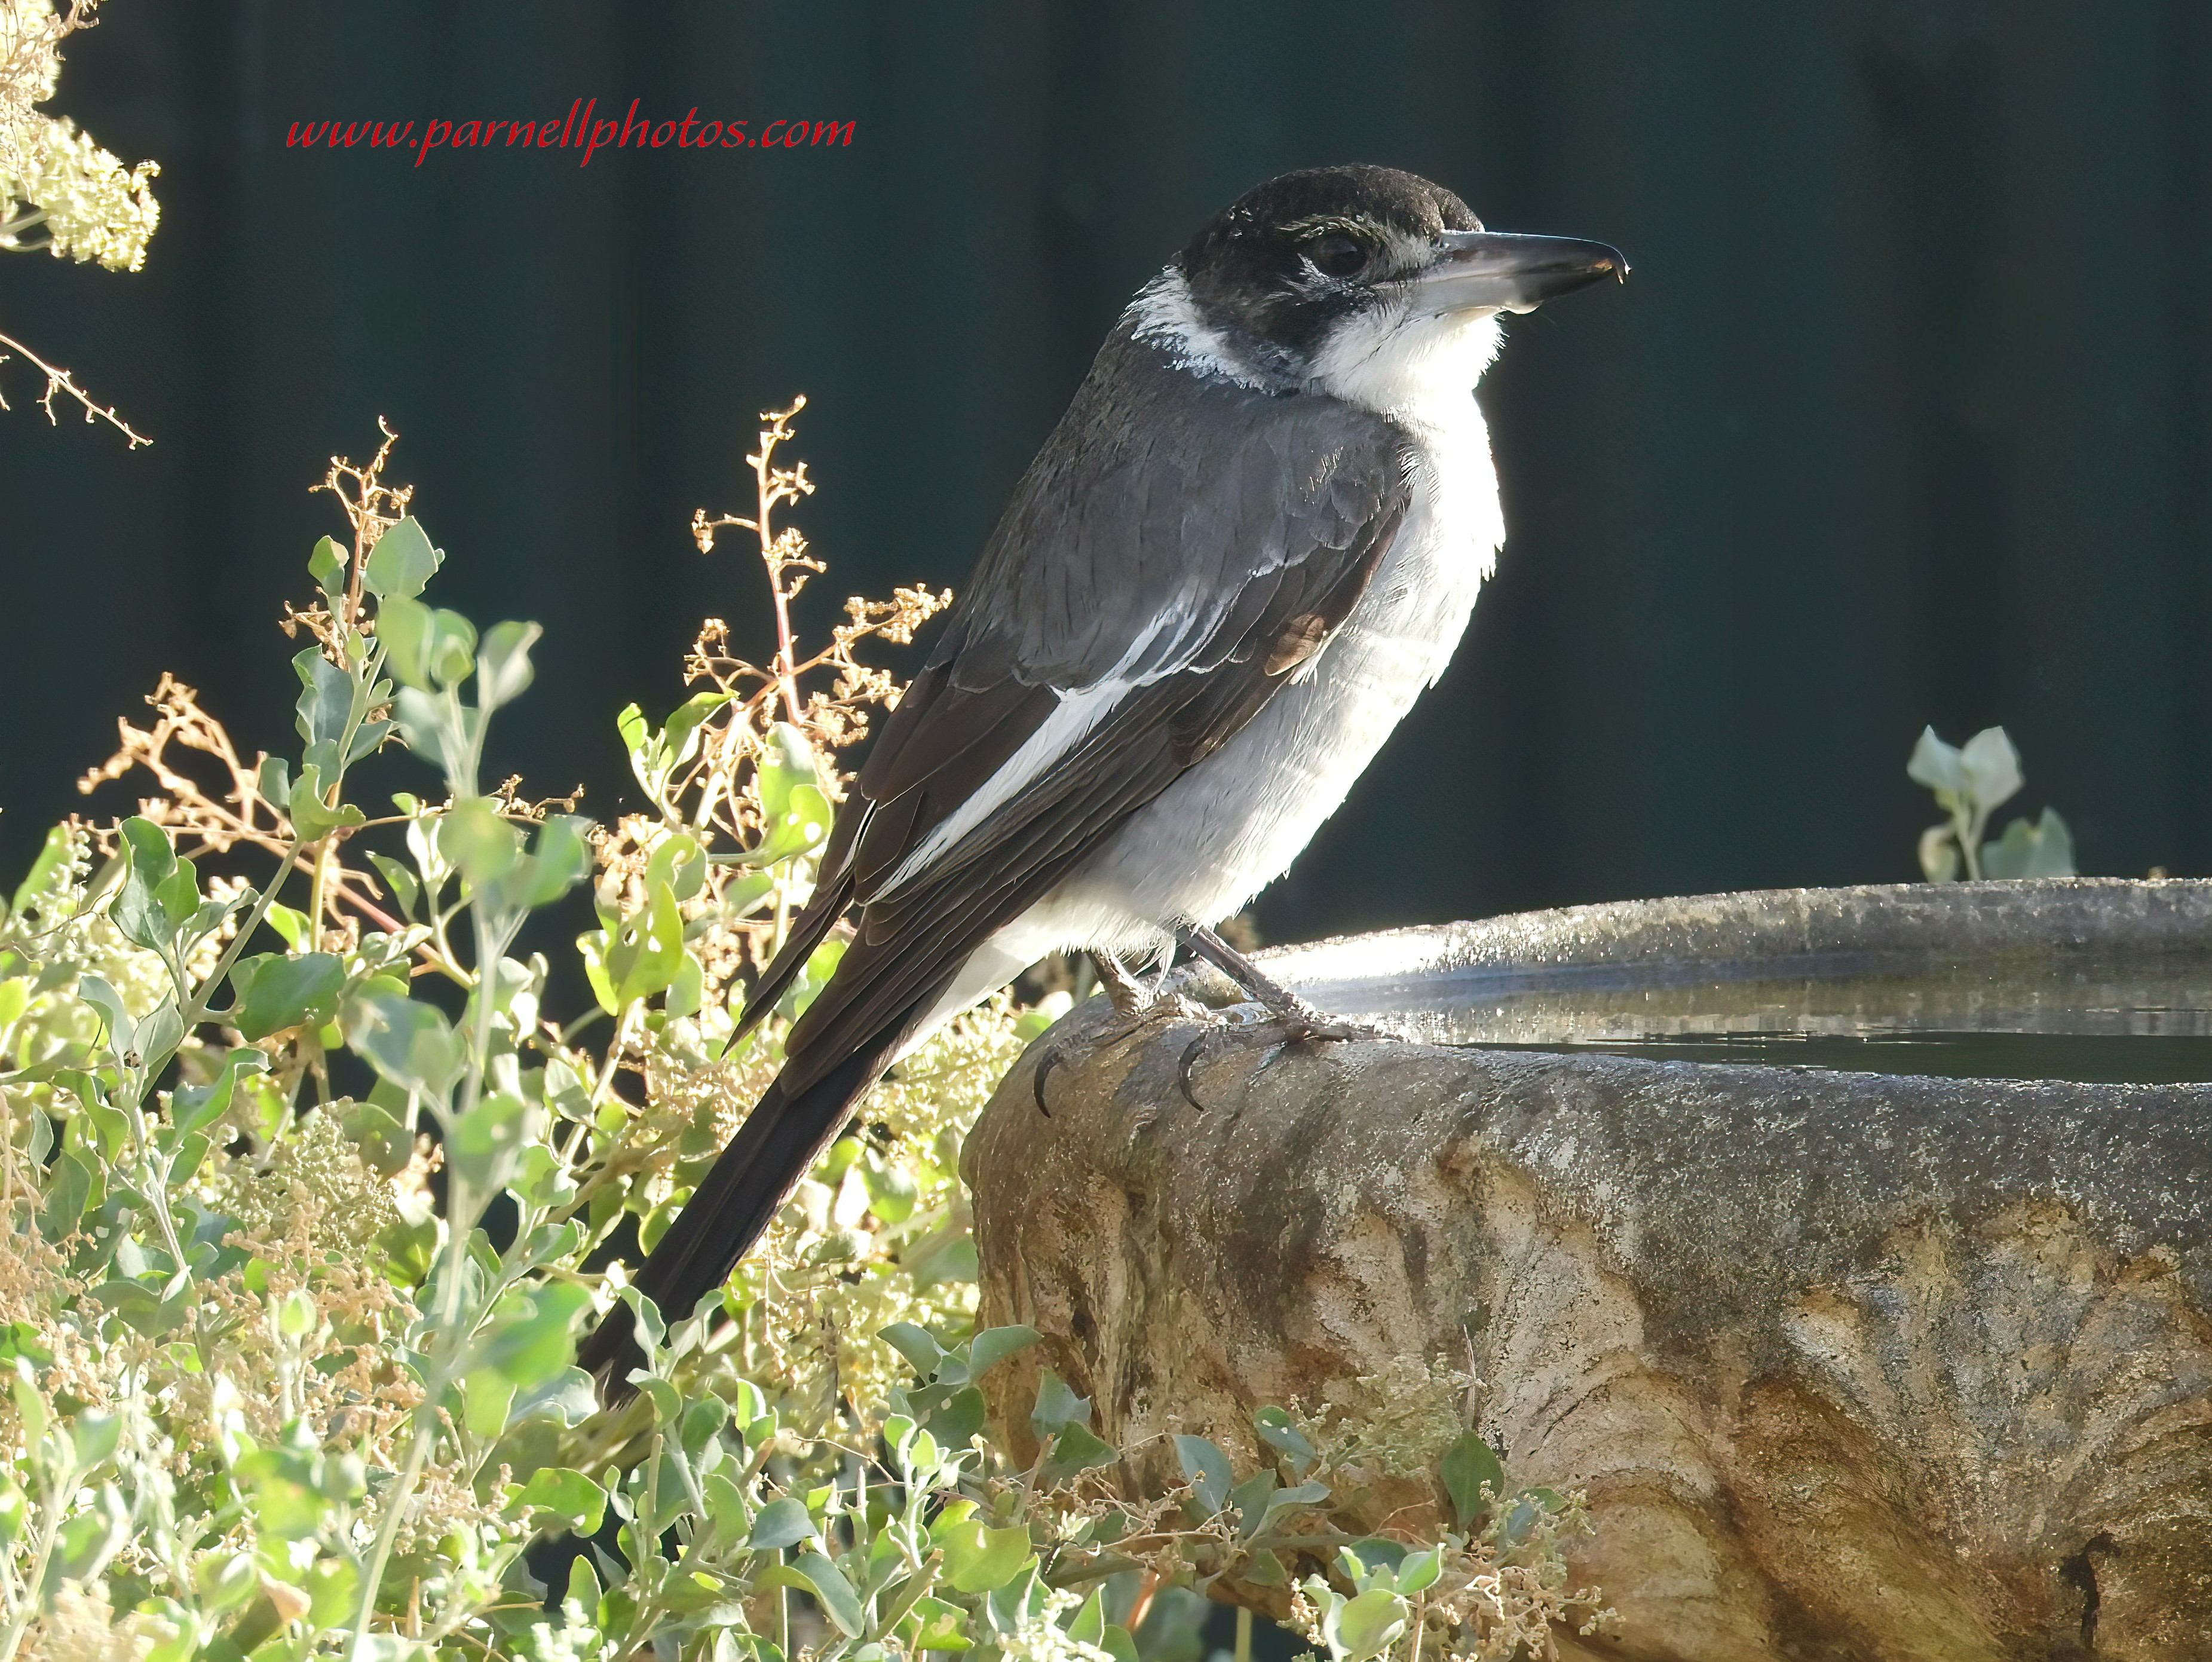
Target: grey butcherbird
1253,539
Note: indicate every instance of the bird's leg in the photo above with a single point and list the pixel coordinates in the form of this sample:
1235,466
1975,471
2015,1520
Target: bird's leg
1137,1004
1128,996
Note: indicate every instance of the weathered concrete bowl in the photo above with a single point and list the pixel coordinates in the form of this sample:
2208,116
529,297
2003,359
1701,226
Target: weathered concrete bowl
1850,1364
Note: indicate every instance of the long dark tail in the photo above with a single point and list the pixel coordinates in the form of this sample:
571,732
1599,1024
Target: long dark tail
777,1145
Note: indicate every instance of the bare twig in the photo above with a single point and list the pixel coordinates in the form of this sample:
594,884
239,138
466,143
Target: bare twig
784,551
59,380
372,507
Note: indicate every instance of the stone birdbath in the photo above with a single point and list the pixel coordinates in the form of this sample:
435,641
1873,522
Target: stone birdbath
1879,1325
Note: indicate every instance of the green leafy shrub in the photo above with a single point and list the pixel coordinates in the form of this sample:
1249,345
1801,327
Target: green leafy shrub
1970,782
310,1191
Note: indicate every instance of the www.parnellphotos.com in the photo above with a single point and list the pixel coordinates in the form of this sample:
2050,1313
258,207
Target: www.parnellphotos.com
578,129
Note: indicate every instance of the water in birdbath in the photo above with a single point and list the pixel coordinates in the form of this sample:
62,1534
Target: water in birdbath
2100,1014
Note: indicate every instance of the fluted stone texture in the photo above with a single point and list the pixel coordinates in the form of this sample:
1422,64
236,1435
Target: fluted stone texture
1850,1366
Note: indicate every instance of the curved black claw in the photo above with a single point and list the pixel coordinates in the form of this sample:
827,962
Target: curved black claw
1271,1032
1045,1064
1183,1069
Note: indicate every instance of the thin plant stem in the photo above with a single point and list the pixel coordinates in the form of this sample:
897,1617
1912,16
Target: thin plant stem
317,878
27,1604
768,494
193,1012
465,1206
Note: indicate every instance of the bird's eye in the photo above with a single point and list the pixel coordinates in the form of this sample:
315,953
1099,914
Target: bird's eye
1337,255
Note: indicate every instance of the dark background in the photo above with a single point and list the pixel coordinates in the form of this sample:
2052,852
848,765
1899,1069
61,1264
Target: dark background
1902,419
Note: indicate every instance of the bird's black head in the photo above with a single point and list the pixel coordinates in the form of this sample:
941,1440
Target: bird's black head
1309,257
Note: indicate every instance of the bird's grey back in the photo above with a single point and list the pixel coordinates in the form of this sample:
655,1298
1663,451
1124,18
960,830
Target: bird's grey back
1164,502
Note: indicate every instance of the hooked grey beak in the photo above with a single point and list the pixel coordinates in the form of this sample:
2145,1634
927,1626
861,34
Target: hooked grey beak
1509,271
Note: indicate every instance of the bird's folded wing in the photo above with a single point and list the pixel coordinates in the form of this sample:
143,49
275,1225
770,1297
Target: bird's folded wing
1075,682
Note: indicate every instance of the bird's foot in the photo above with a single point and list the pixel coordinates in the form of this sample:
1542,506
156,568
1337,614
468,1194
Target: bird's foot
1139,1006
1165,1010
1271,1030
1296,1022
1284,1020
1296,1019
1136,1008
1275,1019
